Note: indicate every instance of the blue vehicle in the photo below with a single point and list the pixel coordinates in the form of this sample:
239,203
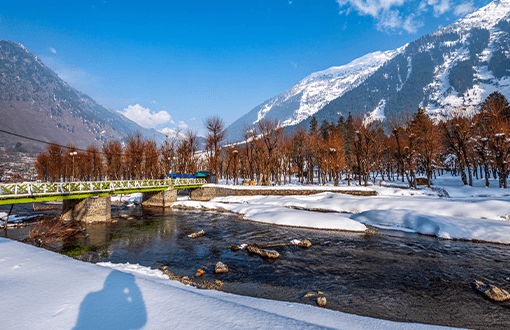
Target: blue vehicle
182,176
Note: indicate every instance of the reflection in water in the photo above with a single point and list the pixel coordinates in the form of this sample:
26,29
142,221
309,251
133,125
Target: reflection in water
394,276
119,305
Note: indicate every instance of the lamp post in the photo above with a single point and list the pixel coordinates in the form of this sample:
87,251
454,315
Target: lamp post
171,168
171,159
235,152
74,153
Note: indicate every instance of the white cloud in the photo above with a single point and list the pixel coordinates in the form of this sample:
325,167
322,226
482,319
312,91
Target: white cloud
394,15
153,102
442,7
182,125
53,50
389,20
194,118
411,25
143,116
464,8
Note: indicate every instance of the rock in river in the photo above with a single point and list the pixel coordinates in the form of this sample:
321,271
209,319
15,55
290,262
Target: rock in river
271,254
221,268
195,235
321,301
492,292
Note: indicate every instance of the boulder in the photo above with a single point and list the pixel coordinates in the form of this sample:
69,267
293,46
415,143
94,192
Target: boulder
270,254
195,235
304,243
321,301
492,292
220,268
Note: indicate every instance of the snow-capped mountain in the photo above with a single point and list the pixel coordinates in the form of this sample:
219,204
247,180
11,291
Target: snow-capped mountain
457,66
313,92
453,68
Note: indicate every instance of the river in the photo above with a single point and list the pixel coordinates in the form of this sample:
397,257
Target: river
389,275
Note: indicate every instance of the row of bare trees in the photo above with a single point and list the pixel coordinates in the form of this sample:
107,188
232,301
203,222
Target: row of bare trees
355,148
404,148
137,158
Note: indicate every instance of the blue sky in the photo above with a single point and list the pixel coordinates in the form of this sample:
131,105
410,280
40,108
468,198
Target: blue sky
174,63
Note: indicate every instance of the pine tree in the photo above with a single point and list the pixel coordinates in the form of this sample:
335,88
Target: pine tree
313,125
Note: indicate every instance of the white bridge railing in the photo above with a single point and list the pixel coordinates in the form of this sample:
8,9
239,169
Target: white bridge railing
60,188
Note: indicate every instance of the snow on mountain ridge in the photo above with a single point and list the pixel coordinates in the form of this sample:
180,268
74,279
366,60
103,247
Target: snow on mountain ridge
319,88
485,17
444,95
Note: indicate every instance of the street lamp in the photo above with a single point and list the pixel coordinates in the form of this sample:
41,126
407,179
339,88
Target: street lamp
235,152
171,159
74,153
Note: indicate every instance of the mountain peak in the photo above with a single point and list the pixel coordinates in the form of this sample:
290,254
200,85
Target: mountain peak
486,17
456,66
36,103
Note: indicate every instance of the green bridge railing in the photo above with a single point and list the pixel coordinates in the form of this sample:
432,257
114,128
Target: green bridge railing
47,191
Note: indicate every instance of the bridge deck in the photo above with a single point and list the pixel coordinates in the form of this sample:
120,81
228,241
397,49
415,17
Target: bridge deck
32,192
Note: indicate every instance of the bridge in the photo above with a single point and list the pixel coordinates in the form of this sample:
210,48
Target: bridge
90,200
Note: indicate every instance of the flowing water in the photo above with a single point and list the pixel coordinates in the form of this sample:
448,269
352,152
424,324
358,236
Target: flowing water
389,275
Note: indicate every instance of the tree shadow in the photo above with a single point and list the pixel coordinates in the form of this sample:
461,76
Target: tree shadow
119,305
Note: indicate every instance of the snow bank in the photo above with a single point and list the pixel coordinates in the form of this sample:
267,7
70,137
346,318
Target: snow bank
441,226
44,290
282,216
473,208
291,187
421,211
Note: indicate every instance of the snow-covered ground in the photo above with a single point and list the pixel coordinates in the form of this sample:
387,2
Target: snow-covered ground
44,290
471,213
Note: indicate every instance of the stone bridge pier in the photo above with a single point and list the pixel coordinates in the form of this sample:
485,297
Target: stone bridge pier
98,208
163,198
93,209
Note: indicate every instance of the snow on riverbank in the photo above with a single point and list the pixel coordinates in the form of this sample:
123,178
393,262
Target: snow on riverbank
474,213
279,215
44,290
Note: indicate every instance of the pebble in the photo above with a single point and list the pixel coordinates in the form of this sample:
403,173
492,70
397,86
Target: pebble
195,235
221,268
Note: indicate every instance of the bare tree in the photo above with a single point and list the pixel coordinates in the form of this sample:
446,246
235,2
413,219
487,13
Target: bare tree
168,152
215,136
270,135
134,153
151,163
112,151
427,140
186,152
457,135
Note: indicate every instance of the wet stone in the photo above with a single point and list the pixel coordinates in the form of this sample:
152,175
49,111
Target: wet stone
304,243
271,254
492,292
220,268
195,235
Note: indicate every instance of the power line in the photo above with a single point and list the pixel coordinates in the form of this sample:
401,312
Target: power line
41,141
59,145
